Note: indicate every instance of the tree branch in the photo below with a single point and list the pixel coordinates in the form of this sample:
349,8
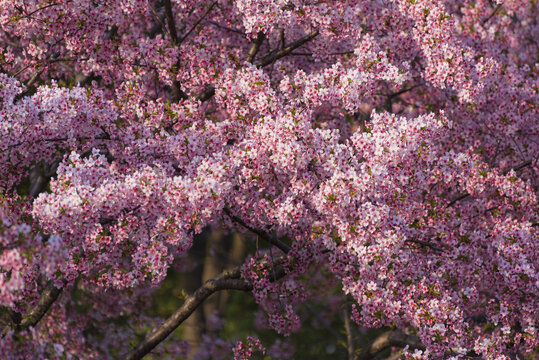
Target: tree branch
14,317
348,329
255,47
40,177
427,244
266,60
272,240
518,167
198,22
47,298
171,22
387,339
227,280
491,14
273,56
177,93
206,94
49,295
457,199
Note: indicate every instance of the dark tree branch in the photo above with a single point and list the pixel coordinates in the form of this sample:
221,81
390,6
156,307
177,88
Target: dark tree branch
227,280
270,239
266,60
427,244
14,317
192,302
177,93
255,47
518,167
348,330
171,22
29,15
457,199
388,339
492,14
206,94
220,26
40,177
402,91
338,53
391,96
273,56
47,298
49,295
198,22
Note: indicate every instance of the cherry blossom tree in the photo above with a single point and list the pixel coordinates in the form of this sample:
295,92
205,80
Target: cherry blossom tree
386,149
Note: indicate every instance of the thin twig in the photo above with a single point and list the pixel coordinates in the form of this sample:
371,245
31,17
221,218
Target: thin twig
226,27
29,15
457,199
160,25
198,22
34,78
518,167
492,14
274,241
273,56
427,244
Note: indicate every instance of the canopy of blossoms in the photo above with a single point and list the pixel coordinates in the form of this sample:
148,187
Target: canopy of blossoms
392,144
